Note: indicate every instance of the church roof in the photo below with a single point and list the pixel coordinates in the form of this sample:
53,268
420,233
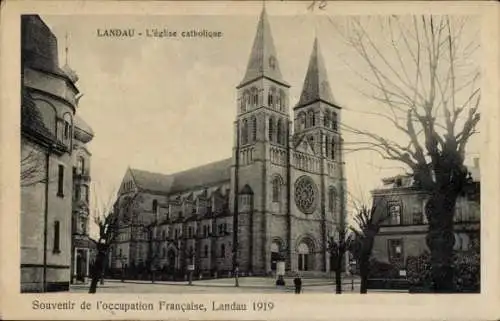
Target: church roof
263,60
316,85
204,175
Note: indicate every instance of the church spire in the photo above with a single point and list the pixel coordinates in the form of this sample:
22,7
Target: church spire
263,60
316,85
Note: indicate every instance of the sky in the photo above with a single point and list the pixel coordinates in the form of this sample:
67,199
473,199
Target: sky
166,105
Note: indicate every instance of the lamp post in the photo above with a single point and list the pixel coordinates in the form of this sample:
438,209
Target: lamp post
191,267
122,259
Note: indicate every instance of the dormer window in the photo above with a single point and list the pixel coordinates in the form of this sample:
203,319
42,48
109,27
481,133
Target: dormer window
66,127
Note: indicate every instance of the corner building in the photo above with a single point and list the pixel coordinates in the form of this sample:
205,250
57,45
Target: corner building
280,188
52,138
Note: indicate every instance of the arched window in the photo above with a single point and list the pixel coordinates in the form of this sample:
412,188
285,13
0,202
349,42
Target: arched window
332,199
304,252
276,187
81,165
243,107
254,128
394,209
310,118
255,96
163,235
155,206
247,99
334,121
67,126
282,100
326,119
302,120
222,250
328,146
332,156
279,131
205,251
271,129
244,132
270,97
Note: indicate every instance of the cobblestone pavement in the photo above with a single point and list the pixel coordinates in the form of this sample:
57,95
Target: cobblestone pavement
247,285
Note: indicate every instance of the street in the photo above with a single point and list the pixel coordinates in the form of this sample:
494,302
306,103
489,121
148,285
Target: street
246,285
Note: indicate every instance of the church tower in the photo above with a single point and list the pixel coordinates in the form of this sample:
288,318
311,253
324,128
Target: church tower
316,168
317,115
260,153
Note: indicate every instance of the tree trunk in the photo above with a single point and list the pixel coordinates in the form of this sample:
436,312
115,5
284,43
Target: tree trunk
97,270
365,254
440,238
338,270
338,280
363,271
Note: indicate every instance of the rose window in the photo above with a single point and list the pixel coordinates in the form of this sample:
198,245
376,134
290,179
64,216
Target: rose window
306,194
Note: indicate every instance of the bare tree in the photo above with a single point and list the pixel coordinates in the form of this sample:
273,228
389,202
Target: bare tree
106,220
337,249
364,232
421,73
32,168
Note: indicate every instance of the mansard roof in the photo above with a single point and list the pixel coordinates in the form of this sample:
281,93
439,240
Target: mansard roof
200,176
316,85
263,60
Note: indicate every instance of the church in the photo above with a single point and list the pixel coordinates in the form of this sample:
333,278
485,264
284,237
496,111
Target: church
277,198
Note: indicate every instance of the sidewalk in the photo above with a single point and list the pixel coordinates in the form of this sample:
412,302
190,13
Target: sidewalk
249,282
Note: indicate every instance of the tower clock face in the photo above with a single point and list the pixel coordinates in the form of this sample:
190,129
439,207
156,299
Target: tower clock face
306,194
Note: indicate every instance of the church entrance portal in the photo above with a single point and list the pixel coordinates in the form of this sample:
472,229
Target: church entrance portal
304,257
275,254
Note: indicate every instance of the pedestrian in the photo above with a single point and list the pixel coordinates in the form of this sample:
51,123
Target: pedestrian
298,284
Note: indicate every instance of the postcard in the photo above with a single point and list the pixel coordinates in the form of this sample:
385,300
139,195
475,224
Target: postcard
250,160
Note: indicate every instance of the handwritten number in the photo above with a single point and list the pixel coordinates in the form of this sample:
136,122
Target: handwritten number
320,3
